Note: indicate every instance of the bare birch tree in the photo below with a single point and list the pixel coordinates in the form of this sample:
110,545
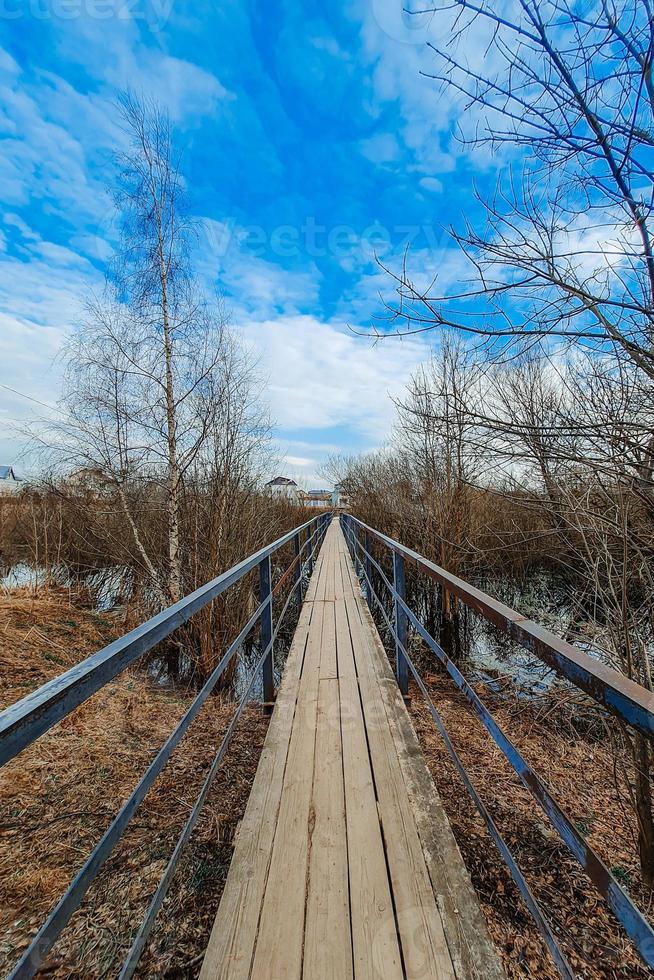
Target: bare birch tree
153,372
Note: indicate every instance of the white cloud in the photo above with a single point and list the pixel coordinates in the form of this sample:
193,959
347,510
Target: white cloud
15,221
432,184
186,90
440,268
59,143
331,46
47,151
321,375
117,59
255,286
382,148
7,64
299,461
40,302
396,46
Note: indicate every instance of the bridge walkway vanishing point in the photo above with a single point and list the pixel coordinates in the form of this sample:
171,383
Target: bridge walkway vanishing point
345,864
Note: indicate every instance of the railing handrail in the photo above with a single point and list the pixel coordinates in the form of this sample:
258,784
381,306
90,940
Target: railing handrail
25,720
618,694
625,910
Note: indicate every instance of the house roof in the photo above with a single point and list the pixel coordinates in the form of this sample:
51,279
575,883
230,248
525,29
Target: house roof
7,473
281,481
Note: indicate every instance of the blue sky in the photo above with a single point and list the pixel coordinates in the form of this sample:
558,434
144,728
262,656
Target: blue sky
309,139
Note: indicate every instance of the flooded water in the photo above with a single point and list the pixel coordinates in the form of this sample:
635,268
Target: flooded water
108,587
488,653
493,655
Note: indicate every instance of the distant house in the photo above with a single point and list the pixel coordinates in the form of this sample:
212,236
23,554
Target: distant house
281,486
9,482
317,498
339,497
88,479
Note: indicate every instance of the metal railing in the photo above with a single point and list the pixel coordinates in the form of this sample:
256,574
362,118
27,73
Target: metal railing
22,723
618,695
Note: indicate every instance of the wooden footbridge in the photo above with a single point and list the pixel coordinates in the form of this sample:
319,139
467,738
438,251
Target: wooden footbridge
345,865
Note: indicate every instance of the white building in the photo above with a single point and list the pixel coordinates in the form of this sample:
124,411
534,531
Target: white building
321,499
281,486
88,479
9,482
339,497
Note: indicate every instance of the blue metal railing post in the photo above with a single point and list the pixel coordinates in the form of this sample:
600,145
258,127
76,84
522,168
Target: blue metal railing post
401,630
366,546
297,545
355,551
265,595
310,549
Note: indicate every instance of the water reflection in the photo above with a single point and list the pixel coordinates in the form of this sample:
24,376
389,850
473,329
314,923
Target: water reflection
107,587
488,653
483,651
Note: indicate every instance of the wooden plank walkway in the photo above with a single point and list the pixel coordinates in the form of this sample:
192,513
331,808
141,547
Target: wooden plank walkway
345,865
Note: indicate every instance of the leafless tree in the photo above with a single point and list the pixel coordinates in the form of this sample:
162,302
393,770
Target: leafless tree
564,245
561,264
156,387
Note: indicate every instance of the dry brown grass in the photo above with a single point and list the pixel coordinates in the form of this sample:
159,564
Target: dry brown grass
580,774
58,797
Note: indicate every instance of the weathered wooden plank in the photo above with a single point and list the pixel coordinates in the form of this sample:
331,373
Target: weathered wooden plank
278,951
328,666
314,581
330,579
473,954
424,945
375,945
325,587
319,592
350,580
233,937
327,945
339,593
